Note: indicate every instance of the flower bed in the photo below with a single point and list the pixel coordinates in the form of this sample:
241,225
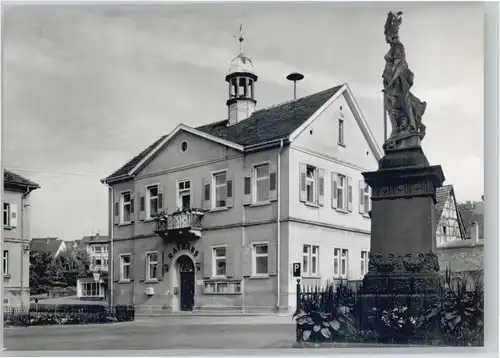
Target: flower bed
68,314
337,315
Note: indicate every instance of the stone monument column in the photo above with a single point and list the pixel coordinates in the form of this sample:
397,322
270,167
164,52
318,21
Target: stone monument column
403,256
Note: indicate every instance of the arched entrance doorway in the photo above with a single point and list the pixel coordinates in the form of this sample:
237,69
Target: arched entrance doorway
186,277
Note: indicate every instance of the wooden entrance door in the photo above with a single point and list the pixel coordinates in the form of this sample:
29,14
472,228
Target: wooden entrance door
186,270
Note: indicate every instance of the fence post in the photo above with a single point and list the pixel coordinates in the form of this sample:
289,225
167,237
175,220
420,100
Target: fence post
297,328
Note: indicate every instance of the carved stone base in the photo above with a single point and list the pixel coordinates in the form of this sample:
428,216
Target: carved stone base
403,157
401,284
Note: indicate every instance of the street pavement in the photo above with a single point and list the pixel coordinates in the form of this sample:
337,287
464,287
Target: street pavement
149,333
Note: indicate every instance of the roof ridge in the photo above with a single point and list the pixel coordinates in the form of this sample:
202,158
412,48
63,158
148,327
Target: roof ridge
296,99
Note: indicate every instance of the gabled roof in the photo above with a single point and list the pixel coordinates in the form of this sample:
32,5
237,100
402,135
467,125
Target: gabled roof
13,179
471,215
49,245
442,195
263,126
88,240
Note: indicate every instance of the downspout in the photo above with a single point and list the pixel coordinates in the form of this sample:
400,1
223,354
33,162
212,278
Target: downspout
243,218
111,263
278,221
22,246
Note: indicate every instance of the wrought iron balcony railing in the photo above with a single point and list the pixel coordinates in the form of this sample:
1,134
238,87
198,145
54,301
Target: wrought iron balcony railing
179,221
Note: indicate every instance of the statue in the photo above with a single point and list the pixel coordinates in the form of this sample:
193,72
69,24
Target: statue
404,109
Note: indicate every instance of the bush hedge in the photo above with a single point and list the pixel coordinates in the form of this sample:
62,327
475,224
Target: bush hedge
336,314
68,314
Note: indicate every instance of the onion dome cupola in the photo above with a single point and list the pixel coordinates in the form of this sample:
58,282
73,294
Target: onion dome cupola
241,78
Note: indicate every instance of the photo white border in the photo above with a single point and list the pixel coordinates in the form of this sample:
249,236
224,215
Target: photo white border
491,222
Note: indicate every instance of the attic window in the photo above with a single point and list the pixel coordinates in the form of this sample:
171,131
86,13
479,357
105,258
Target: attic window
184,146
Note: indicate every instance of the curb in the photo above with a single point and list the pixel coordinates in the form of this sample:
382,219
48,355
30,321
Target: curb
208,315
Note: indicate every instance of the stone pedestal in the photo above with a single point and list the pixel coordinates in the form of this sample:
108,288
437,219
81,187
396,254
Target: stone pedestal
403,262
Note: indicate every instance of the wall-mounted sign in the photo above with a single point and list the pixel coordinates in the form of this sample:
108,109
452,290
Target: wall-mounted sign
296,269
185,246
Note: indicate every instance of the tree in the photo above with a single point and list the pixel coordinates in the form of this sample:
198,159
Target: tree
68,267
40,280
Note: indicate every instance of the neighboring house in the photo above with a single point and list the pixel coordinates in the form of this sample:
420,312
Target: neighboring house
94,287
449,223
266,189
473,214
16,238
49,245
464,255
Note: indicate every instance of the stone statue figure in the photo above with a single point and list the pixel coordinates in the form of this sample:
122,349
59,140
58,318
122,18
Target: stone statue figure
404,109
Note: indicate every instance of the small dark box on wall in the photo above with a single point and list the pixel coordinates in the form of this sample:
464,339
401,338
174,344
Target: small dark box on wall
296,269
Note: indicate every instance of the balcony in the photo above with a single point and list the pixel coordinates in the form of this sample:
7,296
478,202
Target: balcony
182,225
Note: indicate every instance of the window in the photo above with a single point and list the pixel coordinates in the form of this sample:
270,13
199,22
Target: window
310,260
364,263
184,146
262,181
260,253
152,266
153,200
340,263
125,261
105,262
311,184
220,188
105,249
219,255
5,262
222,287
98,262
96,249
341,192
366,199
6,215
184,194
91,289
126,214
444,229
341,131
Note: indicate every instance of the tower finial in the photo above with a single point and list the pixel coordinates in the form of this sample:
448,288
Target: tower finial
241,38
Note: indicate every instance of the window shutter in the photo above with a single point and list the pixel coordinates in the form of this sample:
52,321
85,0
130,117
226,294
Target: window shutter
334,190
117,268
272,259
160,265
116,217
247,197
229,192
132,204
361,197
349,194
142,198
321,187
132,267
230,261
207,263
206,193
247,261
302,182
13,215
141,267
369,200
161,206
273,184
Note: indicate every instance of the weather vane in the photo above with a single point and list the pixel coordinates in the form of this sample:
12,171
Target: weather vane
241,38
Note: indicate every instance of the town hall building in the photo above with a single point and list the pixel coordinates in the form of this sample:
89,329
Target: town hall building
213,217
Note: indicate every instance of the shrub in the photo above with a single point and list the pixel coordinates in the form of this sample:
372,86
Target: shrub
67,315
459,311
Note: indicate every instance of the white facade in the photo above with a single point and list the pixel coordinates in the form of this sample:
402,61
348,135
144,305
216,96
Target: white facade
329,232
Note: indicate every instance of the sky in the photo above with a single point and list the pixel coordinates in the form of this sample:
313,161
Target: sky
87,87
